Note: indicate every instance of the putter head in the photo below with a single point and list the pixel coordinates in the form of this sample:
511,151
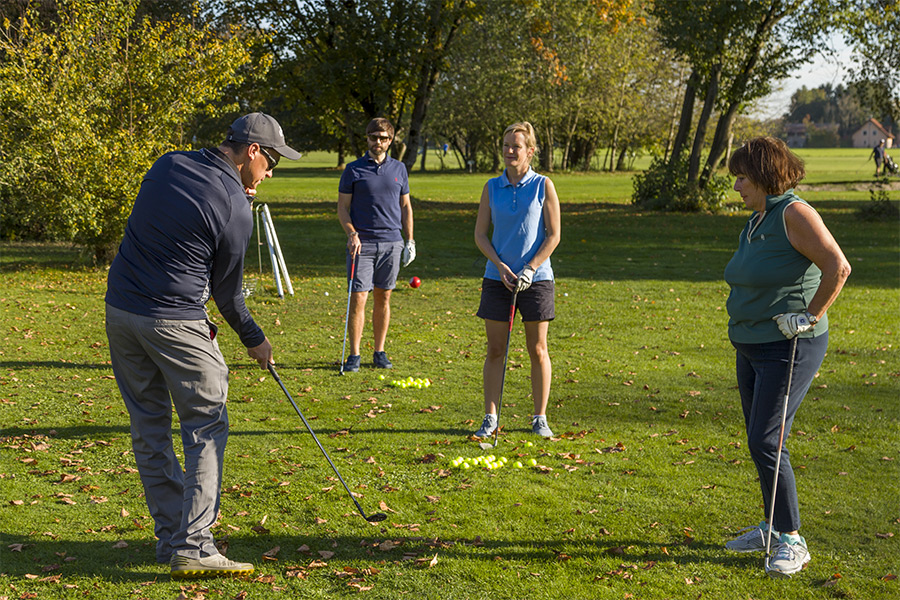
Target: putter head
376,518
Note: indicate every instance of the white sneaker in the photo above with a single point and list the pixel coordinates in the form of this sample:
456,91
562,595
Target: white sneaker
540,427
487,426
184,567
790,556
753,540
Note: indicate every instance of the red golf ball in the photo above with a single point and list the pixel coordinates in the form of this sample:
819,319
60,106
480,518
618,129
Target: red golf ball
415,282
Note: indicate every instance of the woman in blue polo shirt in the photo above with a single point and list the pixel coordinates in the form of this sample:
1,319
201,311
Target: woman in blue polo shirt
523,209
788,269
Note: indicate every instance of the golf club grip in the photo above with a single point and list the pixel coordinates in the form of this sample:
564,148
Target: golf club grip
312,433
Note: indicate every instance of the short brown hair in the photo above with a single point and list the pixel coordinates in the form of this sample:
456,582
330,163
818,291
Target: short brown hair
768,163
380,124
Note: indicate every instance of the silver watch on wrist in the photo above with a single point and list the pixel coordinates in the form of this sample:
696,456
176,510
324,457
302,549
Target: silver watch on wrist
813,319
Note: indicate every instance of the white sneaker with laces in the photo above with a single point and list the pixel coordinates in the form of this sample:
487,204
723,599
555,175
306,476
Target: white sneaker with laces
487,426
753,539
790,556
183,567
540,427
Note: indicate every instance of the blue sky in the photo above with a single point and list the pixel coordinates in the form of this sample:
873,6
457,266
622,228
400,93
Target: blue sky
821,71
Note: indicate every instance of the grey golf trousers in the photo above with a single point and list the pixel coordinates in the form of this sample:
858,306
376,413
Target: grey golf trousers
157,364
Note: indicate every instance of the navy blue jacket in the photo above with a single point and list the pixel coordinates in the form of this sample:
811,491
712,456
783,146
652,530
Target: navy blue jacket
185,241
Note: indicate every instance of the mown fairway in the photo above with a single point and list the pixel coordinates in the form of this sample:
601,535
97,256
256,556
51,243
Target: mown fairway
648,478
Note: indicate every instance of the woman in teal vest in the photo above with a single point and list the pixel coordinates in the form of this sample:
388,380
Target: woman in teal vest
788,269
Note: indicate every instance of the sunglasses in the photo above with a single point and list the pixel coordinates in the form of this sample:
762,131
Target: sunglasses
272,161
379,138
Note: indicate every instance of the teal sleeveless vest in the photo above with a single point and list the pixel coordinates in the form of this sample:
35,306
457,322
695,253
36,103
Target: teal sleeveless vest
768,277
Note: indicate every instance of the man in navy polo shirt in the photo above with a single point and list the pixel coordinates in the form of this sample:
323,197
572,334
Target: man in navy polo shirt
184,244
375,211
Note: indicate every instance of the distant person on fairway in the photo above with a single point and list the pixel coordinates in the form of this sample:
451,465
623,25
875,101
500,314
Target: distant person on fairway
184,244
878,155
786,272
523,210
376,213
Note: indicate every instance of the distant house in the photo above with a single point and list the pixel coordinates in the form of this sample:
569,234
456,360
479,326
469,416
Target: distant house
870,134
796,135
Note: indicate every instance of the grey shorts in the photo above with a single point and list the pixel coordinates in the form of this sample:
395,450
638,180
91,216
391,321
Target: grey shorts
377,266
534,304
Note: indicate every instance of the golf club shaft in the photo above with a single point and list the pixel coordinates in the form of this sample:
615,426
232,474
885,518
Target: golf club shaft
305,422
512,316
347,316
787,394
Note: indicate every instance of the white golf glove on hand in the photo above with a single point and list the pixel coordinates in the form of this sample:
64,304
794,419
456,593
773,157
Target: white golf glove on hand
792,324
409,253
523,282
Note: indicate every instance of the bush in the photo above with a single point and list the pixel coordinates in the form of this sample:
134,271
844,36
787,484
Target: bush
89,99
665,187
878,208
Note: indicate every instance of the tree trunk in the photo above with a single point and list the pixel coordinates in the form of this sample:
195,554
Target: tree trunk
697,149
614,147
620,164
546,155
570,134
721,139
670,139
424,152
687,117
438,46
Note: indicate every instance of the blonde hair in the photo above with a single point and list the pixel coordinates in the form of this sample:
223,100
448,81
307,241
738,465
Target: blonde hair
525,128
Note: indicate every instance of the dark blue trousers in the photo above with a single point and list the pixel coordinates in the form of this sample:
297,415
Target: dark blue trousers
762,376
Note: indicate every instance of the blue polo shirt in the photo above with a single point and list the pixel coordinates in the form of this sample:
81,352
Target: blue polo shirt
517,215
376,190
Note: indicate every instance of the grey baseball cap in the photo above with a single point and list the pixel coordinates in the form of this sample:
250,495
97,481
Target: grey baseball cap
260,128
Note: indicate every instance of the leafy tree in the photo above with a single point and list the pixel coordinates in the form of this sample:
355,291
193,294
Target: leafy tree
339,63
560,65
89,102
871,27
735,50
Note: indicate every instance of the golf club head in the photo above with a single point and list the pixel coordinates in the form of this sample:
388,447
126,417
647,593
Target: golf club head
486,446
376,518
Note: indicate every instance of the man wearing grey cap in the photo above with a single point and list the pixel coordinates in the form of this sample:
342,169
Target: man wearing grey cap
184,243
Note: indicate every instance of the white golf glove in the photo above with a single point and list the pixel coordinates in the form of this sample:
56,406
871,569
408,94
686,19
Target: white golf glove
409,253
792,324
523,281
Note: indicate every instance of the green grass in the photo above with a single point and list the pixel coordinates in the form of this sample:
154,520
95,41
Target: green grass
649,479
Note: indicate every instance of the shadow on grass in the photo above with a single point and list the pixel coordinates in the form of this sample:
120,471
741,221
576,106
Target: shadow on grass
53,364
136,562
600,241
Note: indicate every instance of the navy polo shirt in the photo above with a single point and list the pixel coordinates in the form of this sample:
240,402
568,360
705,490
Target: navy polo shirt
376,191
185,242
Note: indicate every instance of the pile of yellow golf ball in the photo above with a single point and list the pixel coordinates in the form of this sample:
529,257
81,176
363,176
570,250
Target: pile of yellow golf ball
489,463
409,382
